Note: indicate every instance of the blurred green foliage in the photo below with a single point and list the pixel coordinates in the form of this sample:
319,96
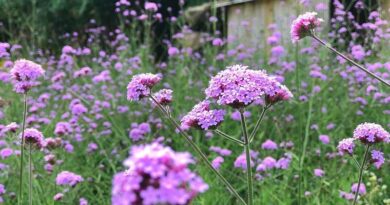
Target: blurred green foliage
40,22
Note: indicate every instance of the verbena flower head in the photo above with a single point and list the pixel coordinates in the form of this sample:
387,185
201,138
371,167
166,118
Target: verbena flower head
53,143
12,127
63,128
324,139
319,172
202,117
346,146
302,26
140,86
68,178
150,6
240,162
24,75
269,145
280,93
34,137
58,197
370,133
238,86
377,158
156,175
164,96
217,162
362,189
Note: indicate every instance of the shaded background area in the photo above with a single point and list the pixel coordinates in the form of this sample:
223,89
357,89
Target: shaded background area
43,21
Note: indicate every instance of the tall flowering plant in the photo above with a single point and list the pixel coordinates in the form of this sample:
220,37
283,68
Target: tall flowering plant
237,87
25,76
306,24
369,135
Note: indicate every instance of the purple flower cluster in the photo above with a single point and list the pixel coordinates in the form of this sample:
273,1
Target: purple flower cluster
240,161
362,189
220,151
346,146
269,145
139,131
12,127
202,117
68,178
156,175
370,133
324,139
77,108
6,152
63,128
140,86
354,188
150,6
24,75
164,96
303,25
377,158
238,86
319,172
82,72
217,162
269,163
34,137
281,93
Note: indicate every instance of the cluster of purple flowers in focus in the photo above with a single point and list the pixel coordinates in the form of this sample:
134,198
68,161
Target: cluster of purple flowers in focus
140,86
24,75
156,175
303,25
34,137
164,96
368,134
238,87
202,117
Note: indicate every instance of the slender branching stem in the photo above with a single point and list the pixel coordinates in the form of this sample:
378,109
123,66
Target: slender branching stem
222,134
22,149
198,151
258,123
348,59
30,175
304,146
247,157
356,162
361,173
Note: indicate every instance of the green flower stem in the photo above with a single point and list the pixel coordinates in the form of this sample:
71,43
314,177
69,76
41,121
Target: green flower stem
356,162
361,173
21,150
222,134
247,157
258,123
30,175
305,143
198,150
348,59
